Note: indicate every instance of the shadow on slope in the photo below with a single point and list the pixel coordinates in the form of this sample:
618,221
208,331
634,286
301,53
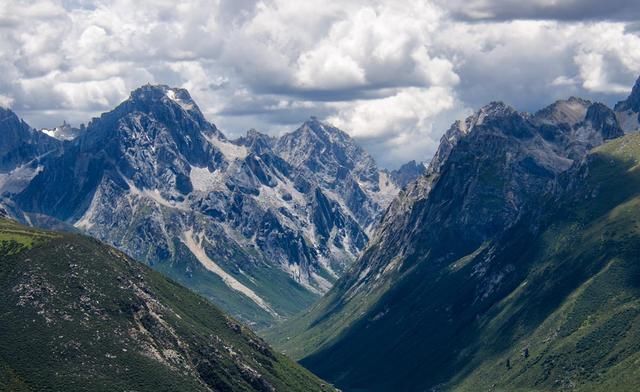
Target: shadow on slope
473,321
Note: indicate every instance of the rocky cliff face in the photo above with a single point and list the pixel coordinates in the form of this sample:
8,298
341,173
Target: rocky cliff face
339,166
20,144
487,170
21,149
628,111
262,226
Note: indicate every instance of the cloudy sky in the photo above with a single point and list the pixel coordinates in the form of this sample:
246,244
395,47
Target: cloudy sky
393,74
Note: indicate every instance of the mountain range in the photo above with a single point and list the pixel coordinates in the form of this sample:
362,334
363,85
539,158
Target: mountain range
510,265
262,226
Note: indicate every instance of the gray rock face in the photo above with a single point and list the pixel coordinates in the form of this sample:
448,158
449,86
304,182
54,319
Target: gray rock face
22,150
340,166
486,172
628,111
577,125
20,144
262,226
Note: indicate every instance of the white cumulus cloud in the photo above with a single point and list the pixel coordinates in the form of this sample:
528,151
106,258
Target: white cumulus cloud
392,74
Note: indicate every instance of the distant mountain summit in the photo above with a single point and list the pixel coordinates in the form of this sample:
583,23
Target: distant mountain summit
407,173
63,132
261,226
340,166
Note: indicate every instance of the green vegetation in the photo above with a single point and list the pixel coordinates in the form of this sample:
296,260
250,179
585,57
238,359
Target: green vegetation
76,315
15,238
577,313
553,304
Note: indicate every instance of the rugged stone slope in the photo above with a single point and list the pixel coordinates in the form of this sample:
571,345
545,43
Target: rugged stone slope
21,144
78,315
628,111
21,148
341,167
410,314
261,226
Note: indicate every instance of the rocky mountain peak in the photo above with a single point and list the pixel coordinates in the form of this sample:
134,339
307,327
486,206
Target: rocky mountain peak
450,138
5,112
337,163
153,94
255,134
9,119
323,130
628,111
165,105
159,123
632,102
569,111
494,116
604,120
495,109
19,143
317,145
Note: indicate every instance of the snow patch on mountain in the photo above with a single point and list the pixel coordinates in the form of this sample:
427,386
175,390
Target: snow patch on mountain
62,132
155,195
171,94
388,188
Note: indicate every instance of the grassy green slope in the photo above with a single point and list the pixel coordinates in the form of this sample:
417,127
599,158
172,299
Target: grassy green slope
536,310
576,316
76,315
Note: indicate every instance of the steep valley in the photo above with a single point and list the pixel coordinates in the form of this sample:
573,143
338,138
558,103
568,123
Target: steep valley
510,266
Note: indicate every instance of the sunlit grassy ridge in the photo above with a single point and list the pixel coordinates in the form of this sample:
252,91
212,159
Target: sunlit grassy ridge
15,238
